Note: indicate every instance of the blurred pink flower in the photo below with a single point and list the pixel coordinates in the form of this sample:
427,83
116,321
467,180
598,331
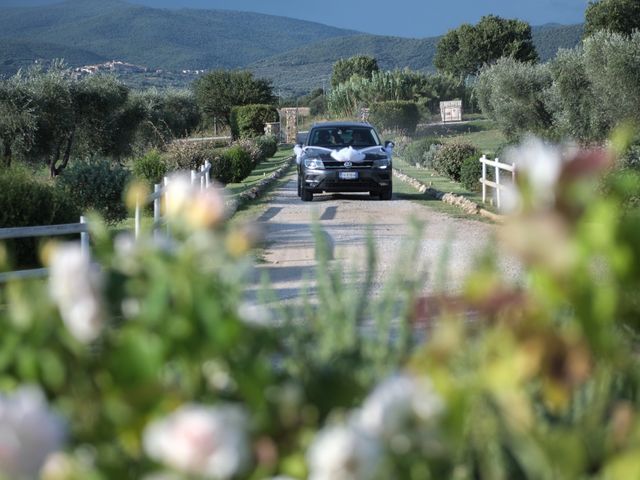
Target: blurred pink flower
29,432
208,441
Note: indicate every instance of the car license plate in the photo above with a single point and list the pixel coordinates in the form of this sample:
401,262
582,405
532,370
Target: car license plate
348,175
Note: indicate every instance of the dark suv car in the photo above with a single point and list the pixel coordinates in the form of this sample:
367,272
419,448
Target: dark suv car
344,157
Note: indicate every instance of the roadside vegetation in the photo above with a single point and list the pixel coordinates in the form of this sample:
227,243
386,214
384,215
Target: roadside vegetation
155,365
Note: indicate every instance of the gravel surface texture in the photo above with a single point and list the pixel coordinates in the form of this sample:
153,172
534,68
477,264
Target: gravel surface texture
347,219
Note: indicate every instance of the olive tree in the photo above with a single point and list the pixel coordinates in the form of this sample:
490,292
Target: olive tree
513,93
360,65
465,50
217,92
17,121
618,16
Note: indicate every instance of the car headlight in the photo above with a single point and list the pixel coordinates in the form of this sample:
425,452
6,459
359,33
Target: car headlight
382,164
314,163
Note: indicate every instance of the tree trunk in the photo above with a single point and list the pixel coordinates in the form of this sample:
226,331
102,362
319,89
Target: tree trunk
7,153
53,171
54,167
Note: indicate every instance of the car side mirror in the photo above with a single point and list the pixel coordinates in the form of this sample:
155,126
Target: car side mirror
388,144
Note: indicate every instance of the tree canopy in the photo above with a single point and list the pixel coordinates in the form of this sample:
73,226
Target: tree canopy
617,16
360,65
217,92
465,50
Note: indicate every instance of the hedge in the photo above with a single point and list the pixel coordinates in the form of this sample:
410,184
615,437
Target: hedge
249,120
450,157
96,185
395,115
28,202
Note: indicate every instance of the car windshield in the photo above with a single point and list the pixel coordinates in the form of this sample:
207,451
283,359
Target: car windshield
340,137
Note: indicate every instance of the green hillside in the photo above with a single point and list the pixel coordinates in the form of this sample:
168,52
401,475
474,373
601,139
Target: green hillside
305,68
549,38
170,39
16,54
297,55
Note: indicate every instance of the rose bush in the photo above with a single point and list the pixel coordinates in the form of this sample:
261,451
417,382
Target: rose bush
160,367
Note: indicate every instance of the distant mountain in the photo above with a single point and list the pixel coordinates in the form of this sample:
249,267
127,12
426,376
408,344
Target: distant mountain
297,55
170,39
549,38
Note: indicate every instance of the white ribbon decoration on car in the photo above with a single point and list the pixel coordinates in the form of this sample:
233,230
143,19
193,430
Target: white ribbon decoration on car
348,154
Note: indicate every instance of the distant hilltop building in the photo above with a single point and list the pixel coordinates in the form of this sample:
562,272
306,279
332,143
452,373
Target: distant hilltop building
114,66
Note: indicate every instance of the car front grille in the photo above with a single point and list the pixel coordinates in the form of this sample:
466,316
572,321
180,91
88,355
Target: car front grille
334,165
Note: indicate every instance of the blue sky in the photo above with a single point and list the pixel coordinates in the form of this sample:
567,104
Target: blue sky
407,18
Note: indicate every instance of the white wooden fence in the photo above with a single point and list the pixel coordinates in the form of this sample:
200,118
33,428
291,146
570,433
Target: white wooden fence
497,183
201,178
45,231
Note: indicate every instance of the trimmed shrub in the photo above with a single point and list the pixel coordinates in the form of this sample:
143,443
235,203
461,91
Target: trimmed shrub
249,120
421,152
27,202
470,173
395,115
190,155
96,185
232,165
150,168
268,145
450,157
250,145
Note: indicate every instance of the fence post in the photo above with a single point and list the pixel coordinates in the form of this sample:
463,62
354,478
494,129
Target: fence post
156,207
202,170
513,173
166,196
497,183
484,178
207,175
84,239
193,177
137,218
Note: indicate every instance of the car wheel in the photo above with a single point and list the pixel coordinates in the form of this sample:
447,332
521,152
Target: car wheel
386,194
307,196
299,186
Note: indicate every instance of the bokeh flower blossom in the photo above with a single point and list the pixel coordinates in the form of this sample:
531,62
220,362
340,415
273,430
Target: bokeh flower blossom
76,287
399,402
344,452
29,432
211,442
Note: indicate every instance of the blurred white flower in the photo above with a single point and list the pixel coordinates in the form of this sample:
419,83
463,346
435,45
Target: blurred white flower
58,466
199,208
399,403
344,452
255,315
76,286
541,164
208,441
29,432
179,191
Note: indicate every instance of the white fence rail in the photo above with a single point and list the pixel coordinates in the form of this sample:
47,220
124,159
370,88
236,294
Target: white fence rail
199,177
46,231
497,184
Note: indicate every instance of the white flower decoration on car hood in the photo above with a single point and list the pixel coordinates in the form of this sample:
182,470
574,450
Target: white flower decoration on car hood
348,154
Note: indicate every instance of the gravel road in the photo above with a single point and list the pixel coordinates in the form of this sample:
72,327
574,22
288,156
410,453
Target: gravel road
347,218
